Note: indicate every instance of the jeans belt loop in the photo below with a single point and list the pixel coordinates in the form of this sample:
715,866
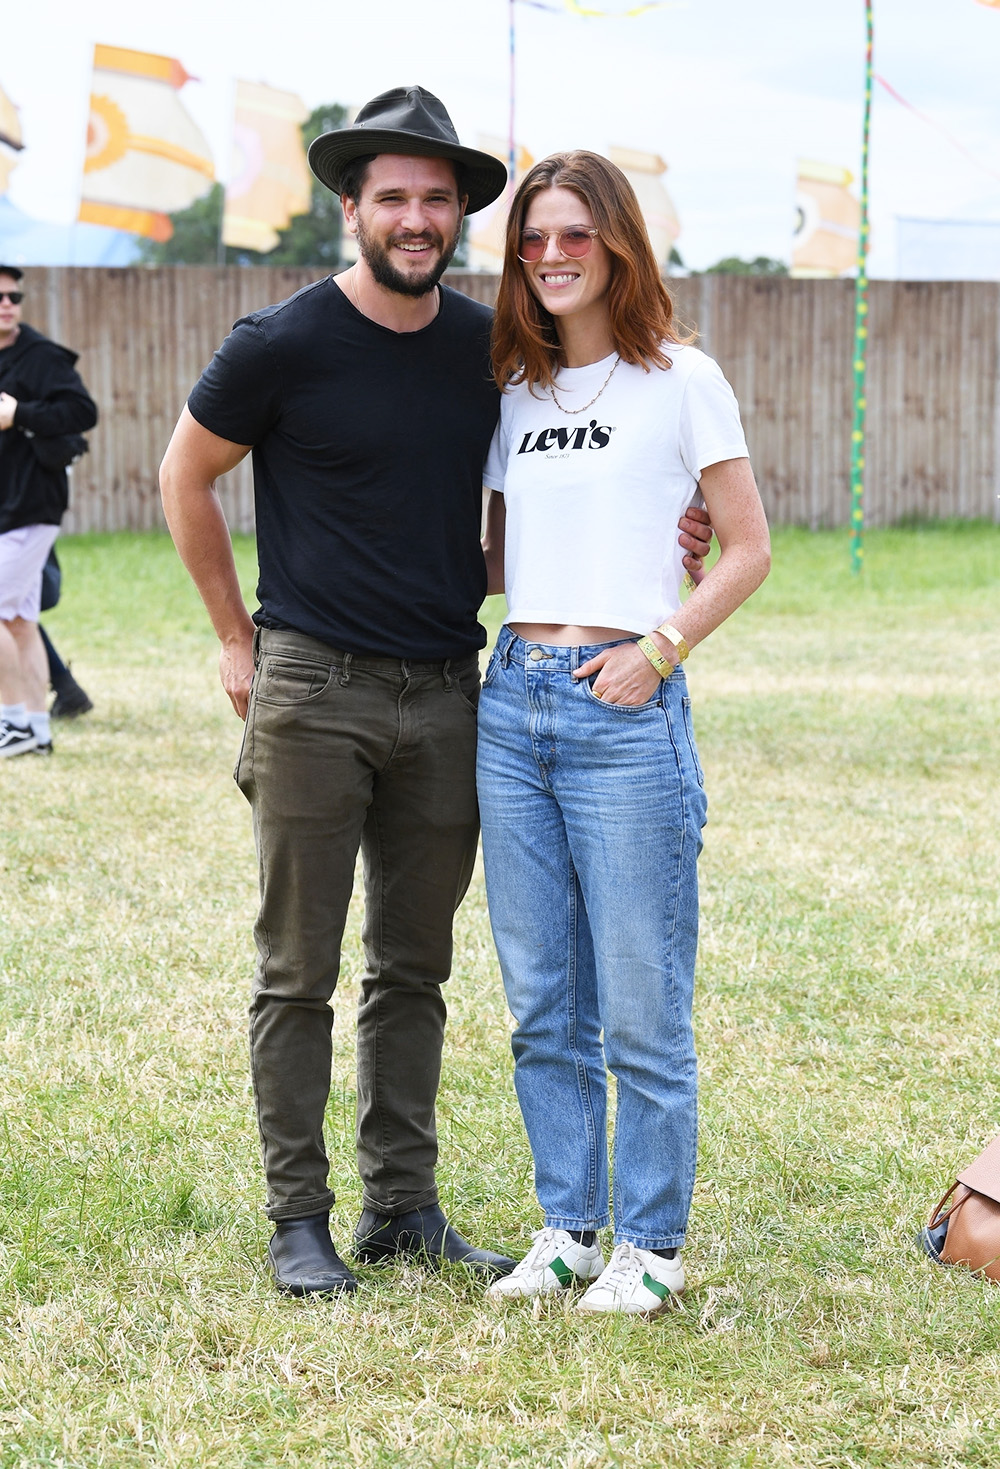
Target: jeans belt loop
345,672
256,647
505,655
446,674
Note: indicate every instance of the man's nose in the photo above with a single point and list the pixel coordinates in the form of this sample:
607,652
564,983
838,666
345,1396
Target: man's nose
414,216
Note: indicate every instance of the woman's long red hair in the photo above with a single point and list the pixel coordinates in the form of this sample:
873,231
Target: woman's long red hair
525,346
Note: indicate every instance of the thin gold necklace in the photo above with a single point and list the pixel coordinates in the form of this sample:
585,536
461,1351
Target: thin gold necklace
364,313
593,400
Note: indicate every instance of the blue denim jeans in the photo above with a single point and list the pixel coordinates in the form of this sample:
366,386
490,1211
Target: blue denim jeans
591,818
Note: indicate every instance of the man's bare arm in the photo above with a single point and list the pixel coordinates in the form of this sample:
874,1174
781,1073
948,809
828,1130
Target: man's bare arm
193,462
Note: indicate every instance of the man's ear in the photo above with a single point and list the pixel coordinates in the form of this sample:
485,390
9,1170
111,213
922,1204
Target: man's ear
350,209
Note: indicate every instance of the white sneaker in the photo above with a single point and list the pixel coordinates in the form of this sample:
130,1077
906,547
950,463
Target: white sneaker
636,1282
554,1262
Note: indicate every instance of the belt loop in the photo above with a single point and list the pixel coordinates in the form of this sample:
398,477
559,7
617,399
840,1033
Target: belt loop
256,647
447,675
508,644
345,672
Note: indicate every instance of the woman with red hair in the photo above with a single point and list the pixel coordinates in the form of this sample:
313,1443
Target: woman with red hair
590,788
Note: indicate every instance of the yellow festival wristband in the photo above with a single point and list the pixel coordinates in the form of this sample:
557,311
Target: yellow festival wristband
676,638
652,652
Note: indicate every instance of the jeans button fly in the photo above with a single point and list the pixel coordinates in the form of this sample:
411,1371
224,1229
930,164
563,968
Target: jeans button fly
536,655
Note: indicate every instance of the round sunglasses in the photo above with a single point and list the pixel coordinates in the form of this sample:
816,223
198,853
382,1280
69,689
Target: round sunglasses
574,242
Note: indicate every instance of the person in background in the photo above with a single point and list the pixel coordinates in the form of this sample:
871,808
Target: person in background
70,699
43,403
590,788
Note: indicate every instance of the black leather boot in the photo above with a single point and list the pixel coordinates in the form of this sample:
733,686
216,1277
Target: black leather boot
303,1259
424,1235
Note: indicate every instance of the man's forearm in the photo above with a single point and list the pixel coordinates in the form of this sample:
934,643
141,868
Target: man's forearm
200,533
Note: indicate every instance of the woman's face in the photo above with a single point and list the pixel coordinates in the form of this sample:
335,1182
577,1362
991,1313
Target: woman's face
563,285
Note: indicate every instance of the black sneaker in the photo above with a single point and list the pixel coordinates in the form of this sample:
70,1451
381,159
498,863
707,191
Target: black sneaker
70,700
15,739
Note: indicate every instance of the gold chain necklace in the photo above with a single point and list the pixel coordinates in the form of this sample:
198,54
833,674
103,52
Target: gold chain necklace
593,400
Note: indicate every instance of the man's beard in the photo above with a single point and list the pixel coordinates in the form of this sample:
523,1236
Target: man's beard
376,257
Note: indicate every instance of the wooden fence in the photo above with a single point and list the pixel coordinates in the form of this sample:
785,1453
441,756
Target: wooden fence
144,336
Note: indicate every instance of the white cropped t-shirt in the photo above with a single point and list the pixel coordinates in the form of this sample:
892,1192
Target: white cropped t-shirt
593,498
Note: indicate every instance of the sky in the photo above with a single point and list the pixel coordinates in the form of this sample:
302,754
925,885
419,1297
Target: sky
729,92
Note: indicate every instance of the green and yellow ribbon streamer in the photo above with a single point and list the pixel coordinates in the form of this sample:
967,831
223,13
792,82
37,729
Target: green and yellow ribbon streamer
861,327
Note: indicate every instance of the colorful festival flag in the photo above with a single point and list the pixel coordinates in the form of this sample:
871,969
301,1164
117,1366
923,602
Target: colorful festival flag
269,177
486,229
145,157
11,139
826,232
644,172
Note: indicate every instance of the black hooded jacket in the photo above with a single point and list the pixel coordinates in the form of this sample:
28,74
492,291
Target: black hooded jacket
51,400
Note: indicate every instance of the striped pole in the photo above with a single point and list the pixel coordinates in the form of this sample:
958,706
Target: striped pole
861,327
511,160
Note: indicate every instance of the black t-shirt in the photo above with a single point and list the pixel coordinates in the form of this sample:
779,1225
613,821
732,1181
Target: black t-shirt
368,450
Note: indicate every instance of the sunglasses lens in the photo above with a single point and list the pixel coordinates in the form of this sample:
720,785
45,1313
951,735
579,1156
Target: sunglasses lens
575,243
14,297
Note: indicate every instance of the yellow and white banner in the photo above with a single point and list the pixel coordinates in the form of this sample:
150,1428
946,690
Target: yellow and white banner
644,172
828,218
145,156
11,139
487,228
269,176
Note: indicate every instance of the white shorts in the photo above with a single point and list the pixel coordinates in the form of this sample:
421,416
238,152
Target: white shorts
23,553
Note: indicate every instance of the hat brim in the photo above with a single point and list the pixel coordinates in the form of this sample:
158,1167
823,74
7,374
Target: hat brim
329,155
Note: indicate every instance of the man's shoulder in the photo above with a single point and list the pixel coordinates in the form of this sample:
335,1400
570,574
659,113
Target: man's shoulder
30,339
464,312
297,313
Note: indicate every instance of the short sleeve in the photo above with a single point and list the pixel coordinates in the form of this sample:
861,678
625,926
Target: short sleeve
495,469
710,427
238,396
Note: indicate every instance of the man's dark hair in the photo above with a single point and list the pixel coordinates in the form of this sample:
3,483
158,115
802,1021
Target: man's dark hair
13,271
352,180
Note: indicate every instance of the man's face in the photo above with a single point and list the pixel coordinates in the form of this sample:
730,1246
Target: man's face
10,315
407,221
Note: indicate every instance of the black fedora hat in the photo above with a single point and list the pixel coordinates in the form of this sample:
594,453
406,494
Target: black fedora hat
406,120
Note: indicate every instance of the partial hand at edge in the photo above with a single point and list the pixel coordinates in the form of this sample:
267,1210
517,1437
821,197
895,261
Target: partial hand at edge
236,672
696,538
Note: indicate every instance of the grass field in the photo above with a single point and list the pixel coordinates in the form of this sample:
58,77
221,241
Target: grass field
847,1028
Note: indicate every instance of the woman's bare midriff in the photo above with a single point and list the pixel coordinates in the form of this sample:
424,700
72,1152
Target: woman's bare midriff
568,635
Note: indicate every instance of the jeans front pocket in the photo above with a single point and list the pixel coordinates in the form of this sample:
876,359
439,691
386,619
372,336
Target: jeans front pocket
291,680
588,686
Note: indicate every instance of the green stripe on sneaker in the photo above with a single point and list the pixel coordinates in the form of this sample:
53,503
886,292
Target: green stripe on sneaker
654,1285
562,1271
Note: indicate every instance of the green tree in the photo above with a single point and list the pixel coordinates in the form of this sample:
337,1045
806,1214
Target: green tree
310,239
733,265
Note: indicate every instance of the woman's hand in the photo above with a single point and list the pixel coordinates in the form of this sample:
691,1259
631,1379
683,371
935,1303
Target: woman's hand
625,675
696,538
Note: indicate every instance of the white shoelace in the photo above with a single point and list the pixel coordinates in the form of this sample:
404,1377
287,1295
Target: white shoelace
533,1264
623,1267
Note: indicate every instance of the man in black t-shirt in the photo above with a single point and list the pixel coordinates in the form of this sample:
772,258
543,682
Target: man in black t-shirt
368,404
